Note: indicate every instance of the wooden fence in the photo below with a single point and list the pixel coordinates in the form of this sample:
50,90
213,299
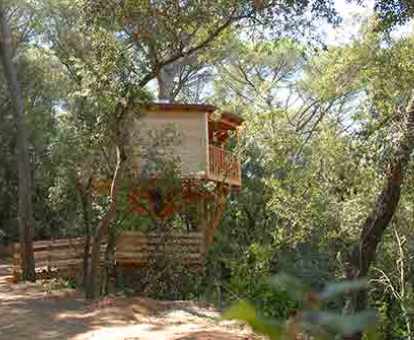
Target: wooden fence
61,257
135,248
64,257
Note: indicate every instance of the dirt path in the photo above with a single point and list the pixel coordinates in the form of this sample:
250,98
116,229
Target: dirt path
31,311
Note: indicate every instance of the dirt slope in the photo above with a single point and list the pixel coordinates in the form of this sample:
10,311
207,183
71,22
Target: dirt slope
32,311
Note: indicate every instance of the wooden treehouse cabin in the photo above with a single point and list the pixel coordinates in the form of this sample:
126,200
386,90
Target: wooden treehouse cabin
197,138
204,133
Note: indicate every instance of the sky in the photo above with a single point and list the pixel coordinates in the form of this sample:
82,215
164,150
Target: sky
353,15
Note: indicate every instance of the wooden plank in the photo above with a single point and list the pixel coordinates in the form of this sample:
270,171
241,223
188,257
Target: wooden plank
65,256
56,243
156,234
172,245
134,261
125,255
157,238
69,252
59,243
154,252
158,241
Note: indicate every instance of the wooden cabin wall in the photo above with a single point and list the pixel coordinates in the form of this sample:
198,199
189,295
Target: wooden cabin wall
191,126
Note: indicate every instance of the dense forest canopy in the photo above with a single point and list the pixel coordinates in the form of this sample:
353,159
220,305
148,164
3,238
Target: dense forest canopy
326,148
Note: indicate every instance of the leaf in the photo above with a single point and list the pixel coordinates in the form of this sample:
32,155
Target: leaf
372,334
272,328
340,323
333,290
244,311
295,288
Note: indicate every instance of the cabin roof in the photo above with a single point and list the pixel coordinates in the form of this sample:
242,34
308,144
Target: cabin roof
227,116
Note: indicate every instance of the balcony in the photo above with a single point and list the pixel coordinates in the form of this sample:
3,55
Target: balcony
224,166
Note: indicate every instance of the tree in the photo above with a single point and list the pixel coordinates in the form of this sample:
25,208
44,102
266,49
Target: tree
392,12
102,228
316,199
385,97
378,220
113,51
25,210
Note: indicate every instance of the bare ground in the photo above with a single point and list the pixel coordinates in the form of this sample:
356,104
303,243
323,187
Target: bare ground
33,311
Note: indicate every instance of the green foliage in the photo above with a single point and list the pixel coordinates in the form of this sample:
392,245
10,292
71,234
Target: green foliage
395,12
320,128
310,318
249,278
246,312
310,181
164,278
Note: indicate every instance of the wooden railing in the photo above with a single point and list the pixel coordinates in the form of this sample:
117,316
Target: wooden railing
64,257
224,166
61,257
135,248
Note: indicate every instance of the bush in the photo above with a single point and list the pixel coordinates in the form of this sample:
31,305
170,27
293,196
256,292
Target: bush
310,318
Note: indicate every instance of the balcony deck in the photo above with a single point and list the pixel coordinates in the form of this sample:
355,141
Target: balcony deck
224,166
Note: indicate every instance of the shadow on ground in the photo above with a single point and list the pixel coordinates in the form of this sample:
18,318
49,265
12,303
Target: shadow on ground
28,311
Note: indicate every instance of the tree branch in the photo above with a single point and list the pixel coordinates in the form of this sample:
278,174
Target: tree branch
213,35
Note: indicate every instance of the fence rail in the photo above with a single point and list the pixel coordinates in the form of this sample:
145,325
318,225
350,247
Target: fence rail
60,257
140,249
64,257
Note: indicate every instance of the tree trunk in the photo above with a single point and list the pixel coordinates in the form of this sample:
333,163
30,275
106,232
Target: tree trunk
377,221
25,210
84,196
103,226
109,264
